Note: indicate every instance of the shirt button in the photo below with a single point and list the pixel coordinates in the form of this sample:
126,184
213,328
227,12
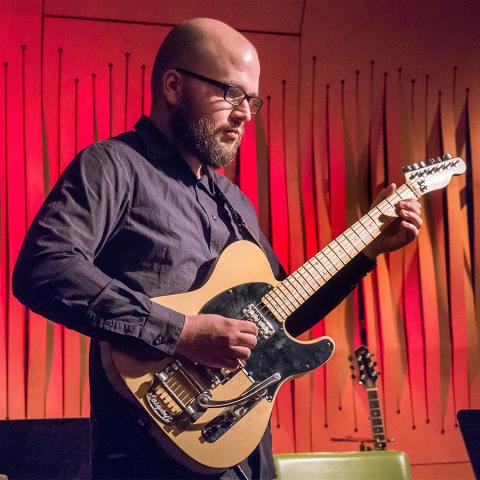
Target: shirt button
214,217
157,341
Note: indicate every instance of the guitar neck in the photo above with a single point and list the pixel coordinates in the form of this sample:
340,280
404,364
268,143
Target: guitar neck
378,430
302,284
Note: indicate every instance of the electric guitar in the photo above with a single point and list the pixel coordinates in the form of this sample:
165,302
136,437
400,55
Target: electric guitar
211,419
367,376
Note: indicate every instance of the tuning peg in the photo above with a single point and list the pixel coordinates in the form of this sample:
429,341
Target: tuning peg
361,368
350,358
406,168
353,377
424,163
352,367
362,377
447,156
375,374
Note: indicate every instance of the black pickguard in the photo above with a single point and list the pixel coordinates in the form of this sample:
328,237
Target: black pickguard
279,353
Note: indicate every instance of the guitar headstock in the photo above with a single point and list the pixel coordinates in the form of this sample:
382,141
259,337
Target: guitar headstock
362,360
433,174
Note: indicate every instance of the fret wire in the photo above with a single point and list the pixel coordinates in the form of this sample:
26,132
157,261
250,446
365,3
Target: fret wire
275,293
325,268
363,240
342,247
333,265
405,188
390,203
289,280
314,281
283,285
277,313
310,262
360,222
344,235
274,298
300,283
373,219
335,253
340,257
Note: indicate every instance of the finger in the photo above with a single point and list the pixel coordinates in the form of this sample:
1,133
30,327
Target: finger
412,217
412,205
411,230
246,340
247,327
241,353
384,193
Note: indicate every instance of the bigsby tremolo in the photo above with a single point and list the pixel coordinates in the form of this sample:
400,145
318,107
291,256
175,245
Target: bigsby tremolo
176,396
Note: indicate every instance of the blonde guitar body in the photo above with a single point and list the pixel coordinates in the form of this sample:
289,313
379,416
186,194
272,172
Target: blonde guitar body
214,438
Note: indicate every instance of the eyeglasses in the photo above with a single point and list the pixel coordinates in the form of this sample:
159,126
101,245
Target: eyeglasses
233,94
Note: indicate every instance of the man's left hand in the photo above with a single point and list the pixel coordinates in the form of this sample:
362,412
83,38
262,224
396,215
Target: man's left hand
402,231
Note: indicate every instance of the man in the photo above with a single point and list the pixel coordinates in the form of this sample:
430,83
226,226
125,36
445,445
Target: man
144,215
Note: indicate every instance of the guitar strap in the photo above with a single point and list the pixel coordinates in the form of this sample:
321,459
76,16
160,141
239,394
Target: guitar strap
242,226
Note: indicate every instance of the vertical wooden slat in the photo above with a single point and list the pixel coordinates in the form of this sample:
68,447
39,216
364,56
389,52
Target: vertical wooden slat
458,254
474,165
3,246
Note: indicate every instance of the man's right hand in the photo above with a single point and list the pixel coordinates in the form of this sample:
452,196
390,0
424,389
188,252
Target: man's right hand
216,341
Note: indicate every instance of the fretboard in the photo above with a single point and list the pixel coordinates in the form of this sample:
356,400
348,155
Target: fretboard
376,420
297,288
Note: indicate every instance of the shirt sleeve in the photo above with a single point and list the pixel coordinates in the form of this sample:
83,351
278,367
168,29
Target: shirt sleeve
330,295
55,274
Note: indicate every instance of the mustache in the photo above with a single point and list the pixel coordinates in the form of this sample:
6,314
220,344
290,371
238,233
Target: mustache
232,126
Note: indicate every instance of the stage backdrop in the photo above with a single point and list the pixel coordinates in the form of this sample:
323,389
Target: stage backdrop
353,90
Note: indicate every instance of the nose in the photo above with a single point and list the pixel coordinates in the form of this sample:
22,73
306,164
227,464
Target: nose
242,112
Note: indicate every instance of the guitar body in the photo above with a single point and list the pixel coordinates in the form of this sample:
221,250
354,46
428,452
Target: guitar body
214,438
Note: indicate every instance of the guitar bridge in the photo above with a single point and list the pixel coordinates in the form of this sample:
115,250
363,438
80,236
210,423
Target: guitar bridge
173,394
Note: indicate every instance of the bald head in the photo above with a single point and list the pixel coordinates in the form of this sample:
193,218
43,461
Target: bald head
206,46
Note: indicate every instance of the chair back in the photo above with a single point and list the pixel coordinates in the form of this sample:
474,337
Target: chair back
375,464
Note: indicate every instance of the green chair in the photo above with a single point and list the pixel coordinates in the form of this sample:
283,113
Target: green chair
369,465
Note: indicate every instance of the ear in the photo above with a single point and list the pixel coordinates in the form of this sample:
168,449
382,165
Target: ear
173,84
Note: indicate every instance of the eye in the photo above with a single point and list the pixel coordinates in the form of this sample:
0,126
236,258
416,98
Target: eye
255,104
235,95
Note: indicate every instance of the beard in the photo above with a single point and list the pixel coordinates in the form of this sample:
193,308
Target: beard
200,136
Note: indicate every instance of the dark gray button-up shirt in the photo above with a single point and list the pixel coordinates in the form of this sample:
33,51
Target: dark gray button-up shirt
127,221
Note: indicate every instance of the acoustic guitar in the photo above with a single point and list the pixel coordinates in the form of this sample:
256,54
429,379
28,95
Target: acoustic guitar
211,419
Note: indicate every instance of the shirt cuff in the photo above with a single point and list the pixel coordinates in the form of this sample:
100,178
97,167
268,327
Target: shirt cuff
162,328
365,264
